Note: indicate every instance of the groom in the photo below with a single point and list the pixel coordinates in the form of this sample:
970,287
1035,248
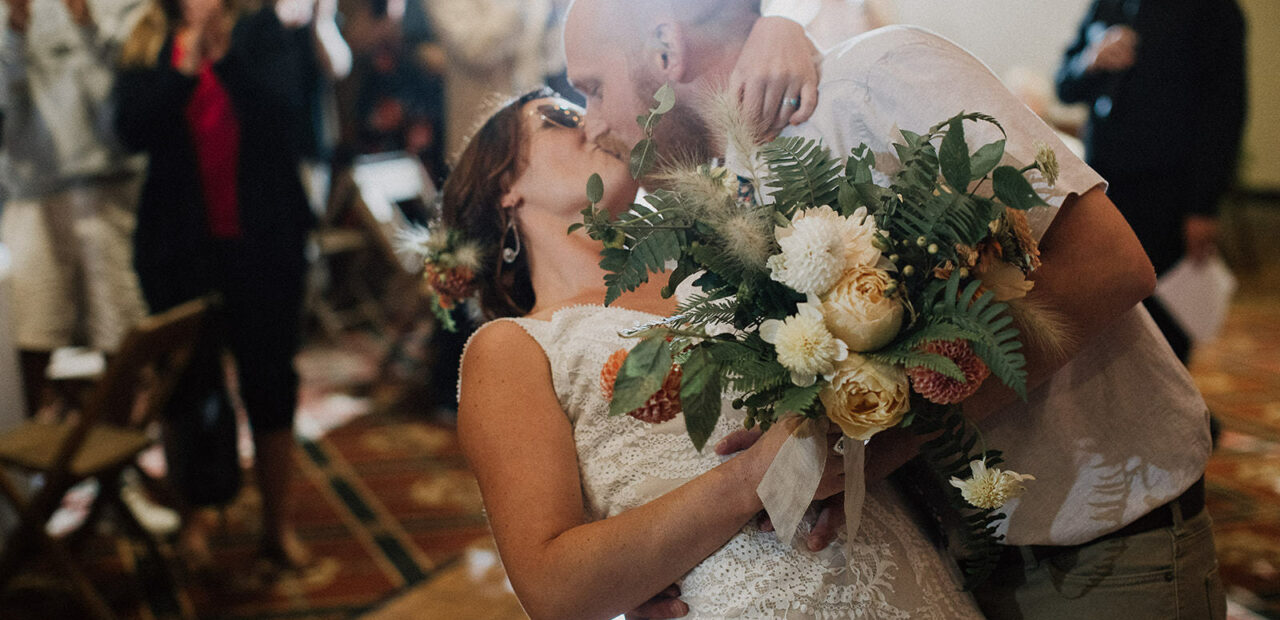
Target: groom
1113,428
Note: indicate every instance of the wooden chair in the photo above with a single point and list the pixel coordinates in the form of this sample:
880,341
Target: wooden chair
98,442
360,278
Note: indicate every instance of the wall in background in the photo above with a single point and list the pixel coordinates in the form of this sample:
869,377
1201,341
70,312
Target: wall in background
1261,165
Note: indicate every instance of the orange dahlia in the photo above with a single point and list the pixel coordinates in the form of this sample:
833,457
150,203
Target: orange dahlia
663,405
941,389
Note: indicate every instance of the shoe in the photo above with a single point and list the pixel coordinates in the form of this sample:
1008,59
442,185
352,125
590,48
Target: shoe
160,521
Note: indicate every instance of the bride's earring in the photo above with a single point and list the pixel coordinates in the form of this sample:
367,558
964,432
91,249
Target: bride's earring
509,254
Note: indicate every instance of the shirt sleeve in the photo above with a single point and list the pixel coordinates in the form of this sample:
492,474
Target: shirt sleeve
925,79
799,11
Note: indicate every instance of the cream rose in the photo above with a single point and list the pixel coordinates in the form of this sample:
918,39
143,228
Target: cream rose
865,397
858,312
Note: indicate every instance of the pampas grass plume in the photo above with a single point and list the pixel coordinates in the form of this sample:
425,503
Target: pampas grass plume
1042,327
748,238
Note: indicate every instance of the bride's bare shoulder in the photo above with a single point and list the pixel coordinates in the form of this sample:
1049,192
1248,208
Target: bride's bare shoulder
502,349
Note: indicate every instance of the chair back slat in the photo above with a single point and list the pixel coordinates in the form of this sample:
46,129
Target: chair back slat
153,356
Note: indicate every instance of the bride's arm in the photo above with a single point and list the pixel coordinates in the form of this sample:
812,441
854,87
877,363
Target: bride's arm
520,445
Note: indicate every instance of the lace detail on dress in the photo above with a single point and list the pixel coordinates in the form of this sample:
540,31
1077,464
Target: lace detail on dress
895,572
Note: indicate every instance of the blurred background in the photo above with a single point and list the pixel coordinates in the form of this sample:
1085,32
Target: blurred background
387,518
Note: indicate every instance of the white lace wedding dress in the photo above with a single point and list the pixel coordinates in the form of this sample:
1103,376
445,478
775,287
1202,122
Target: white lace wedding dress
895,572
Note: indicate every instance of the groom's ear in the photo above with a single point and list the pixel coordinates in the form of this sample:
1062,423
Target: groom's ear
668,52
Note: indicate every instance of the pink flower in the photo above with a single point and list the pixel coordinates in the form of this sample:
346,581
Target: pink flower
944,390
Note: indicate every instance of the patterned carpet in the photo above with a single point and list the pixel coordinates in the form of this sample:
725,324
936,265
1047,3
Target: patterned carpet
1239,376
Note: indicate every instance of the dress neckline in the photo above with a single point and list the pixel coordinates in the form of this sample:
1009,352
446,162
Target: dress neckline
557,311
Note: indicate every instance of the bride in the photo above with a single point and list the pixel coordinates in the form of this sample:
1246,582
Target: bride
593,514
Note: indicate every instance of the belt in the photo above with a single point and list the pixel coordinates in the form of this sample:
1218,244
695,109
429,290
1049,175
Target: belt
1189,504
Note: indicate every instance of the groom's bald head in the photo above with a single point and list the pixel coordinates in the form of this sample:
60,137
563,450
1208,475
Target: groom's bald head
620,51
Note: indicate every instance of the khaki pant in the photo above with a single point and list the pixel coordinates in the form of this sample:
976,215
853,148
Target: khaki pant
1165,574
73,275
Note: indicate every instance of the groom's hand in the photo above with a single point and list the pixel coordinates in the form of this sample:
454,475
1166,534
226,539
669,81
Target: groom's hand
830,518
776,75
666,604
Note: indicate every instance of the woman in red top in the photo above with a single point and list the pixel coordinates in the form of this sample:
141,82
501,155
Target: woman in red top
220,100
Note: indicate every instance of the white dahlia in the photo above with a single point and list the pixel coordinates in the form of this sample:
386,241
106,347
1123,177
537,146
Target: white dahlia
805,346
819,246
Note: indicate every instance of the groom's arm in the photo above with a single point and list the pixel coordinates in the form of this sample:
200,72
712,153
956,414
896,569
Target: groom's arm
1093,270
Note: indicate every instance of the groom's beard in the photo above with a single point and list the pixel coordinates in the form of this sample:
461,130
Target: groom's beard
682,136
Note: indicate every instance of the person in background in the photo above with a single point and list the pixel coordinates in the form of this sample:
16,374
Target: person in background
395,99
333,61
71,189
831,22
219,99
1165,84
493,47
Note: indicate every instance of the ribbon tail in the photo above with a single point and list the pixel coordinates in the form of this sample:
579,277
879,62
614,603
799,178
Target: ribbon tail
855,486
787,488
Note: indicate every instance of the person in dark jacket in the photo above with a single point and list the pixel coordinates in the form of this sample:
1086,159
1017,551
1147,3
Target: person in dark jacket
1165,80
220,101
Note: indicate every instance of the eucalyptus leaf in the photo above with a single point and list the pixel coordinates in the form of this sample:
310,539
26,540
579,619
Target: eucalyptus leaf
700,395
953,156
666,98
849,199
642,157
1015,190
986,159
641,375
858,167
595,188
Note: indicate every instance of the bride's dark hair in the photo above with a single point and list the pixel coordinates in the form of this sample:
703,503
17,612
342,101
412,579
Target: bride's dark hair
471,204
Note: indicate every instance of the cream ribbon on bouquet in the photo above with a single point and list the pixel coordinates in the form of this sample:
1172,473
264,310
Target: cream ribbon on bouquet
789,484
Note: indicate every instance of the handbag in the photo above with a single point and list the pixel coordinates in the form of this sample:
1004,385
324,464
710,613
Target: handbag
201,438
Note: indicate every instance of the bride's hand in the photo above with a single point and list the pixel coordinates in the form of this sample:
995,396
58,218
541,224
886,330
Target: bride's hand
666,604
763,448
831,515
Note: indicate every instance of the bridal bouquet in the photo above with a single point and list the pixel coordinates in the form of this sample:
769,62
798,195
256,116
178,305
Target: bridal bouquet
824,293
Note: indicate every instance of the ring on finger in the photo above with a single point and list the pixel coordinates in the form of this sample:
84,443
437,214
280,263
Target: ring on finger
792,102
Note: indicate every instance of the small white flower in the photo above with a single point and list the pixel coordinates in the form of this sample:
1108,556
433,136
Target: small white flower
819,246
990,488
1047,160
805,346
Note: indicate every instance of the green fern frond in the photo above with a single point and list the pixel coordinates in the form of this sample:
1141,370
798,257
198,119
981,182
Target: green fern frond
940,364
802,172
627,269
997,340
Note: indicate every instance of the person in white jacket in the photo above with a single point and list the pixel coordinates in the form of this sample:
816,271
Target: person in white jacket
72,191
493,47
